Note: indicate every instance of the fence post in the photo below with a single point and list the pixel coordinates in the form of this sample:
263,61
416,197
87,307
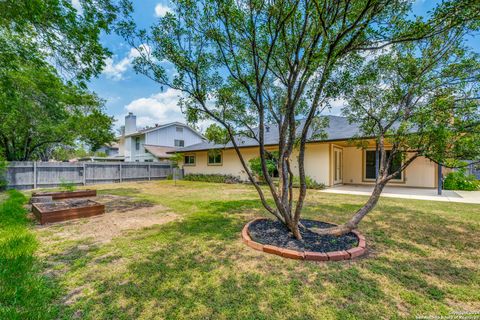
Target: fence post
84,174
120,170
34,174
149,174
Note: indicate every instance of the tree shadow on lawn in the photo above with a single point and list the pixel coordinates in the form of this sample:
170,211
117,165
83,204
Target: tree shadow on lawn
218,277
198,268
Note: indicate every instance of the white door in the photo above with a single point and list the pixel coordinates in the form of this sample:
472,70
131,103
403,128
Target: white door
337,166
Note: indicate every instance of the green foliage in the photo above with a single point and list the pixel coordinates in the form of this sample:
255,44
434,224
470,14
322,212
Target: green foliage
217,134
67,36
217,178
66,185
3,170
271,164
459,180
310,182
430,88
48,49
176,158
40,112
24,292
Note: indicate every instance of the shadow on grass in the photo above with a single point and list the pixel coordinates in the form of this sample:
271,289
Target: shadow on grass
199,270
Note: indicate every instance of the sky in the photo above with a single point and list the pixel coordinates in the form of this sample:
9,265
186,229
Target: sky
125,91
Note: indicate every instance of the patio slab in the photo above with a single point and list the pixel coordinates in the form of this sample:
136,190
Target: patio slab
410,193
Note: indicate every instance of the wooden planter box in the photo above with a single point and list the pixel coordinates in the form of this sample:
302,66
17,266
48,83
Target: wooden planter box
57,195
66,210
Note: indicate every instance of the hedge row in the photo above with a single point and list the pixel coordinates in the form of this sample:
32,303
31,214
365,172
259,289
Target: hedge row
218,178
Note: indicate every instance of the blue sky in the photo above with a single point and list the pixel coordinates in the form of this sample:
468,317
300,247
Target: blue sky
125,91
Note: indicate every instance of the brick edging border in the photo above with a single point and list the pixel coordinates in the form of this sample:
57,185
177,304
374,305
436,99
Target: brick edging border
305,255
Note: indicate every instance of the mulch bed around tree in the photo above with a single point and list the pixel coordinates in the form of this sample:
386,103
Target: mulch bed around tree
274,233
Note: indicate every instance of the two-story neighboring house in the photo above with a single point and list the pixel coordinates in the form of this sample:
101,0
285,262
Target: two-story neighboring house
152,144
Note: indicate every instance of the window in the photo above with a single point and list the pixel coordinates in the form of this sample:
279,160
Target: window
137,143
179,129
214,158
179,143
189,160
370,170
148,160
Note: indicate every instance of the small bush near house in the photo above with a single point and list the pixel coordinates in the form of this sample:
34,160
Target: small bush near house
272,163
311,183
218,178
459,180
24,292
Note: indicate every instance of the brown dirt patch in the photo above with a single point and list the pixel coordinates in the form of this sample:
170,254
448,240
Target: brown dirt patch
121,214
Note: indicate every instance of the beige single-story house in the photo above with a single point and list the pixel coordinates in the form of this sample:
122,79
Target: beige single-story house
334,160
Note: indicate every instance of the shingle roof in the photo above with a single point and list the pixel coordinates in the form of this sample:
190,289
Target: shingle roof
338,128
160,151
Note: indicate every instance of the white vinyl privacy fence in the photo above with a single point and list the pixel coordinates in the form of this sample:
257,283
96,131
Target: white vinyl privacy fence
32,175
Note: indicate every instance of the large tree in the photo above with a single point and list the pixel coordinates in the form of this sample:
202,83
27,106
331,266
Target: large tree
69,36
39,111
48,50
419,99
245,64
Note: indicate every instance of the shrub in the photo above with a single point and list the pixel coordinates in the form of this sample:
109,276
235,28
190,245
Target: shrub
311,183
272,163
67,185
459,180
24,292
217,178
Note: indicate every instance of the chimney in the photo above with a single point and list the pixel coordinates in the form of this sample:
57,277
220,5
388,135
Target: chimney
130,123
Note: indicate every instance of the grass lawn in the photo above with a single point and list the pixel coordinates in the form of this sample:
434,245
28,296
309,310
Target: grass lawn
423,259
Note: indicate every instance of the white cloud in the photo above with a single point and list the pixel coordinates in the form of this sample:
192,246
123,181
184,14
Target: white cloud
161,10
115,71
76,4
336,107
159,108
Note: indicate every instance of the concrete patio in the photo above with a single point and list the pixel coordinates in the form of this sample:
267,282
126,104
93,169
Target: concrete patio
410,193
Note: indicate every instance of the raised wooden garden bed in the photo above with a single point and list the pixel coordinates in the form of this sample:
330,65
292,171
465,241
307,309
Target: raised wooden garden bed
57,195
66,210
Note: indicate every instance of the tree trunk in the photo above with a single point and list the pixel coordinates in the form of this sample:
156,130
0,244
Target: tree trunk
357,217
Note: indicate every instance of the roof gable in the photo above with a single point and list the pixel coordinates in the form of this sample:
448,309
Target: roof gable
159,127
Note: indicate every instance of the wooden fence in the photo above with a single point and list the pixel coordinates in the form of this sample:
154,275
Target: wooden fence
32,175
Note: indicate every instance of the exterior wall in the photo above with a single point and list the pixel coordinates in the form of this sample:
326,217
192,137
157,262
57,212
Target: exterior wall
316,163
166,136
230,163
132,154
420,173
319,166
161,137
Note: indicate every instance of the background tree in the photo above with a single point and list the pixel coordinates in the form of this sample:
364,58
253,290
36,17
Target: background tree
245,64
69,36
39,112
417,100
216,134
48,49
